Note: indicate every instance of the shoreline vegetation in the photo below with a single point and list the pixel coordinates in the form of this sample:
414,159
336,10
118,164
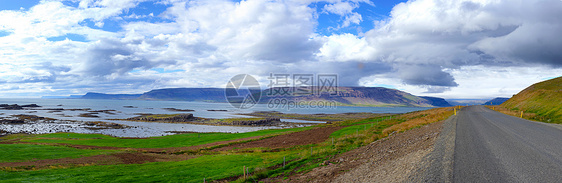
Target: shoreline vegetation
188,118
258,118
193,157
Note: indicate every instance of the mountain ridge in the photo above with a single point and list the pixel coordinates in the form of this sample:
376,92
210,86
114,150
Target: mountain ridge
348,96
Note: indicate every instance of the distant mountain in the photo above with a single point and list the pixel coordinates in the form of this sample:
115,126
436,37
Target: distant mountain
352,96
496,101
363,96
544,99
465,102
186,94
435,101
93,95
62,97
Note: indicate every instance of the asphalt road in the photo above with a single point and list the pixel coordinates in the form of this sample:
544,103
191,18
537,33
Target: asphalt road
494,147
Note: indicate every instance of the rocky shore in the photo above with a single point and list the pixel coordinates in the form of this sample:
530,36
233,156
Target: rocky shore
32,124
189,118
261,122
163,118
17,107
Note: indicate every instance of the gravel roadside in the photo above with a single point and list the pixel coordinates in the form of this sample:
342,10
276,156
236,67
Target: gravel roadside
437,166
417,155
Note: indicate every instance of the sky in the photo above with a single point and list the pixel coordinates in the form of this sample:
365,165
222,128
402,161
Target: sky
469,49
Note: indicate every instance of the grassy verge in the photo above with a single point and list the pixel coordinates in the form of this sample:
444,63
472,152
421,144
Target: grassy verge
316,117
517,113
360,133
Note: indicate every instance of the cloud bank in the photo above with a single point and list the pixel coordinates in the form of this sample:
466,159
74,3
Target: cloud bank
427,47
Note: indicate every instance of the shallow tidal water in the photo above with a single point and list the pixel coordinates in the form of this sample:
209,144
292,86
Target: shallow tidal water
70,121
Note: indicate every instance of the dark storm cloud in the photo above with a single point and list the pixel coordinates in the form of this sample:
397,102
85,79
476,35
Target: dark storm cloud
421,44
425,75
349,73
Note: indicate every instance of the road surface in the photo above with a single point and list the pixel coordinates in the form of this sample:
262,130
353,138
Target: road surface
493,147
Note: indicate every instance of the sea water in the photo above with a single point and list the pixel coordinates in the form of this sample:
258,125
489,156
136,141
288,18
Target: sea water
129,108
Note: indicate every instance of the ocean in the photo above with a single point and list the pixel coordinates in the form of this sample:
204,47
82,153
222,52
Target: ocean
129,108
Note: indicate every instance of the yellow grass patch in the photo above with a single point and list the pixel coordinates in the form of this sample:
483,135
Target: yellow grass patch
420,118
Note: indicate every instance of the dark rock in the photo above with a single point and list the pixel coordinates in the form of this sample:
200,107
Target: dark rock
262,122
11,107
30,105
178,110
31,117
88,115
10,121
178,118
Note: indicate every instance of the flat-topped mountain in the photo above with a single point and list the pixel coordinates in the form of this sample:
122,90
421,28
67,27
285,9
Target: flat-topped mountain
186,94
363,96
94,95
350,96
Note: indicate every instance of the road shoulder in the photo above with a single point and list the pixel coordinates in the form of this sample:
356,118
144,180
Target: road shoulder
396,158
437,166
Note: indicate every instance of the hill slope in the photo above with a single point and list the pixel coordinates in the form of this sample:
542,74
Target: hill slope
543,99
440,102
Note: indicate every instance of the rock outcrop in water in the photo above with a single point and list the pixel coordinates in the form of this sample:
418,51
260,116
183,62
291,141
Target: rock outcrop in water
173,119
261,122
11,121
17,107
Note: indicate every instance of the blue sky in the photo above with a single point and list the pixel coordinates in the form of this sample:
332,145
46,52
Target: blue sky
450,49
327,22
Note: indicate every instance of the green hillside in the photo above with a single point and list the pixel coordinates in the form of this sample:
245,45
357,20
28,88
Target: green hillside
544,99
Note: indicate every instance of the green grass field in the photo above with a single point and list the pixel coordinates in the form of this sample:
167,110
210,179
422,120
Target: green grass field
27,152
180,140
209,165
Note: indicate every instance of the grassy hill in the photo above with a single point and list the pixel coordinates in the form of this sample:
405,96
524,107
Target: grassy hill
544,99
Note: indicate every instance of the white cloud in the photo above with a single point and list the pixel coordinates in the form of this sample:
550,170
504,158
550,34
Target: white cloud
444,47
340,8
345,47
475,82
